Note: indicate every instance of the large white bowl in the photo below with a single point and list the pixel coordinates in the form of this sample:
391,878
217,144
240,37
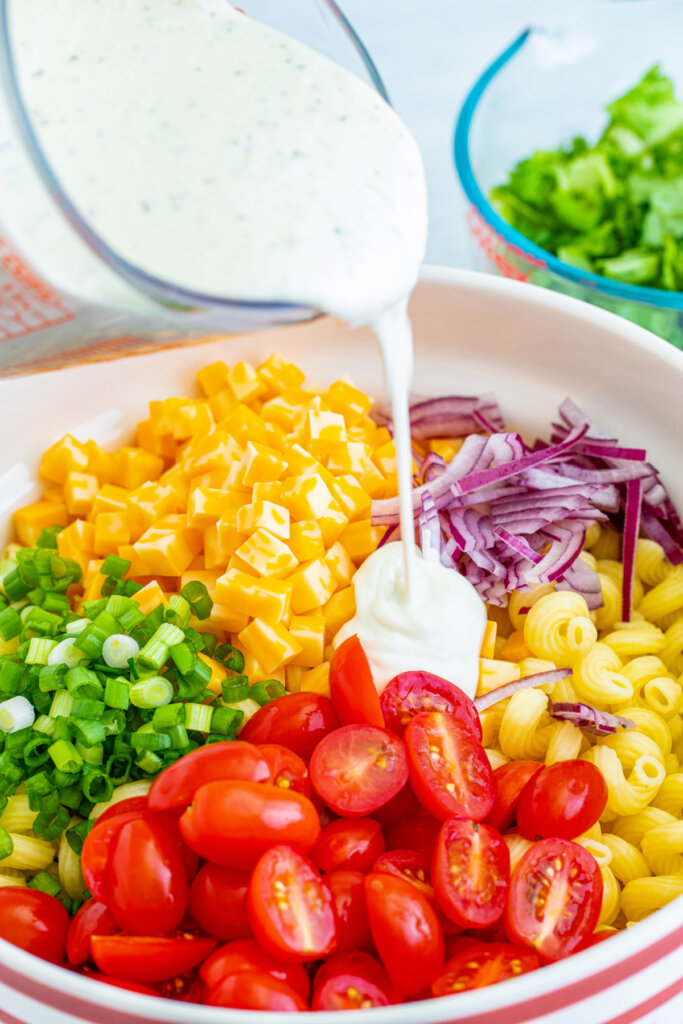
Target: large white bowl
473,333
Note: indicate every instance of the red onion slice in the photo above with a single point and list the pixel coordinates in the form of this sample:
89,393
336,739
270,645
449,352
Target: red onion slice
487,700
600,723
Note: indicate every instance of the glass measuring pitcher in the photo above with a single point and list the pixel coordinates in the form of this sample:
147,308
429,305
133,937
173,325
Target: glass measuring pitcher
64,293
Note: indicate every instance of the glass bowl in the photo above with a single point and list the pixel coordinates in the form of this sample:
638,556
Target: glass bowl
549,85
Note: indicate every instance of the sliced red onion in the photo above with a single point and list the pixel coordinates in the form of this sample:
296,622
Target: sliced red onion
620,475
517,544
453,416
487,700
600,723
634,501
473,481
430,530
585,582
605,450
432,466
392,533
656,530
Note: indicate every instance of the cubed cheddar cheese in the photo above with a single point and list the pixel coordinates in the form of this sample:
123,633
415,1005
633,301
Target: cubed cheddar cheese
100,463
280,375
339,563
259,598
307,498
150,596
488,643
146,504
260,463
325,432
137,566
164,446
168,552
110,498
446,447
317,680
361,538
351,496
514,648
271,643
213,378
93,580
111,531
266,515
344,398
222,403
191,418
245,383
244,425
79,492
309,631
299,461
206,505
217,450
31,520
282,409
76,541
306,540
66,456
332,524
266,554
135,466
354,457
229,537
218,673
494,673
293,675
384,458
339,609
312,586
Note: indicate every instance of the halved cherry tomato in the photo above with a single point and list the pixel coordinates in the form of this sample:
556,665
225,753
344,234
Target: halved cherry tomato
349,992
404,805
147,887
449,771
410,865
419,833
234,759
247,955
351,845
481,965
348,898
149,958
287,769
254,990
217,902
555,898
290,906
297,720
185,988
408,693
358,768
34,921
170,821
131,805
93,918
233,823
458,943
96,852
563,800
406,932
130,986
352,690
471,873
510,779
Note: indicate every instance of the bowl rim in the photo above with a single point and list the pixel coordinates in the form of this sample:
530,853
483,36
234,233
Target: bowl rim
631,951
657,298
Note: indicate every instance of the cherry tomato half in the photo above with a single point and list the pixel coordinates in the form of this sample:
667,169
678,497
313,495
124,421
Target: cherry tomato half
247,955
348,898
419,833
290,906
93,918
358,768
471,873
510,779
297,720
96,852
34,921
483,964
287,769
233,823
555,898
449,770
410,865
234,759
149,958
131,805
563,800
351,845
406,932
352,690
411,692
349,992
256,990
360,965
147,882
404,805
217,902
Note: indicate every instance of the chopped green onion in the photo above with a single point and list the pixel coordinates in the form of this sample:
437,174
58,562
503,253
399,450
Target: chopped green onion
62,704
230,657
152,621
38,621
36,750
92,639
147,739
117,693
131,617
51,678
37,596
97,787
44,882
44,724
197,596
65,756
6,844
50,824
10,624
87,731
149,762
14,586
178,737
178,611
16,741
198,717
85,707
10,676
92,753
114,722
115,566
118,767
76,626
15,714
267,690
183,657
58,603
235,688
82,682
65,653
75,836
168,716
151,693
91,609
226,720
118,649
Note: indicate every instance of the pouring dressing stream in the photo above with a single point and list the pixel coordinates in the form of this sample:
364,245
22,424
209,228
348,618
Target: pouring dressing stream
217,154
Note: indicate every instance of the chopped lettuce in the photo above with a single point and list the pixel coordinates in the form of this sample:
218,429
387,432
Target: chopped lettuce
614,208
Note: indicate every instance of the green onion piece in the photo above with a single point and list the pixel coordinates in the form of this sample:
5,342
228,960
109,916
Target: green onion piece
226,720
152,621
51,677
38,621
230,657
200,673
117,693
115,566
147,739
6,844
71,796
14,586
178,737
150,762
169,634
65,756
234,689
10,624
118,768
37,596
48,537
197,596
84,707
91,609
65,653
62,729
118,604
97,787
183,657
82,682
44,724
10,676
153,655
88,732
62,704
36,750
76,626
75,836
151,693
198,717
267,690
44,882
58,603
50,825
16,741
131,617
168,716
92,639
118,649
131,587
92,754
178,611
114,722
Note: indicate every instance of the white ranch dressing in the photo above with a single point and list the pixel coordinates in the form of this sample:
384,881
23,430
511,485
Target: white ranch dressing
224,157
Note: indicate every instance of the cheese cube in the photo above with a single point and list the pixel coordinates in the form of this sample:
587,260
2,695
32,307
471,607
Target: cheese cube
259,598
259,463
344,398
222,404
243,424
306,540
339,563
283,408
270,643
146,504
266,515
110,498
309,631
266,554
206,505
76,541
168,552
332,524
446,447
280,375
325,432
213,378
339,609
353,499
317,680
494,673
229,537
79,492
352,458
385,458
307,498
245,383
361,538
150,596
267,490
62,458
299,461
111,531
313,585
293,674
135,466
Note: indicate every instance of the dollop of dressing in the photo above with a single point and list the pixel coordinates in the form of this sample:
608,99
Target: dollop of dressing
439,630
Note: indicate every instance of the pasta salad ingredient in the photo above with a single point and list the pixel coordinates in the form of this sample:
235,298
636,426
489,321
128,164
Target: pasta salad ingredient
565,800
